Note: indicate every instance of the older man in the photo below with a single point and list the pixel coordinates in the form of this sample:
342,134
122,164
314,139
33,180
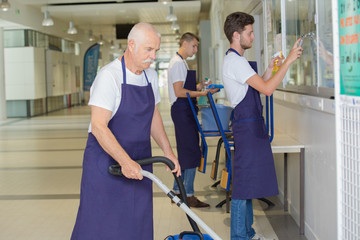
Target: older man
123,102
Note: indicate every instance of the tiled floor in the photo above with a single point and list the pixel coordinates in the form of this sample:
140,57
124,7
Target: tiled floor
40,170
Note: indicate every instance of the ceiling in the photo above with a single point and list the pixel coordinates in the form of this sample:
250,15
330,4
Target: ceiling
101,16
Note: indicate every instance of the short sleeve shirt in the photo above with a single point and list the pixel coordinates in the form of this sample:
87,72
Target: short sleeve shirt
105,91
236,71
177,72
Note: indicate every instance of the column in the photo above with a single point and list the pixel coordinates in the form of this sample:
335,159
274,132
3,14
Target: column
2,77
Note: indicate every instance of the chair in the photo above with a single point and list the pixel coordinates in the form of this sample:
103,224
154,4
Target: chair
203,134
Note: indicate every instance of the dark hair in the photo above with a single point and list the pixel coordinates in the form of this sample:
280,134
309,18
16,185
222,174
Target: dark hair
236,22
188,37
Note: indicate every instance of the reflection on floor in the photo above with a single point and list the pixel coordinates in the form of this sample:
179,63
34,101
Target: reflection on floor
40,170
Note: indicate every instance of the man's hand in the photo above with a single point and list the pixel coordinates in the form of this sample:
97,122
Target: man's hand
211,90
295,52
131,170
177,168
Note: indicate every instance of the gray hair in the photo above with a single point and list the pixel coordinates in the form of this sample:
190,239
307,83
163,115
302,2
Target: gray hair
139,29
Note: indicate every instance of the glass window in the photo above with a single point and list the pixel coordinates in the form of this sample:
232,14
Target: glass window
300,17
310,19
325,52
54,43
14,38
68,46
273,28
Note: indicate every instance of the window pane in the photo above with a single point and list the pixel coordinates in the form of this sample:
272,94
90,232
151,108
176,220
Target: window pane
326,66
300,17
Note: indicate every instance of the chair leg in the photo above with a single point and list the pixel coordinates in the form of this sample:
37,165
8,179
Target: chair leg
217,156
215,184
220,204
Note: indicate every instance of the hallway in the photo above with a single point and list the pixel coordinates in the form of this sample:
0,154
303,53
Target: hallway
40,173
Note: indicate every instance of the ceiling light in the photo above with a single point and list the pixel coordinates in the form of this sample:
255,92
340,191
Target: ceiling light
112,46
164,1
72,29
101,41
47,20
171,16
91,37
4,5
175,26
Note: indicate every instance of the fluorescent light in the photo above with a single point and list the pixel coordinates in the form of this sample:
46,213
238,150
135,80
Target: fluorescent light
72,29
4,5
47,20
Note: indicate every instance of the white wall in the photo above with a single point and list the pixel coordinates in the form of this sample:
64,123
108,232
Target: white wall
316,130
25,73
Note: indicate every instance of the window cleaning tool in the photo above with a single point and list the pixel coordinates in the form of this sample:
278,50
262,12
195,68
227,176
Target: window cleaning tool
193,218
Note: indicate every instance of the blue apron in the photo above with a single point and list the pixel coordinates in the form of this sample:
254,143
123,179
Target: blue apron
186,131
254,173
113,207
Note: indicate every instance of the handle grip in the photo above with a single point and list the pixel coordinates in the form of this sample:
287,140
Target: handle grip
116,168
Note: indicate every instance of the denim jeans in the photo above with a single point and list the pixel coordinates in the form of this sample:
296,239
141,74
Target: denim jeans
188,177
242,219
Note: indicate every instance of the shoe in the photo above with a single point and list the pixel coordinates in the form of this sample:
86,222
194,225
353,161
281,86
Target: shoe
178,195
196,203
260,237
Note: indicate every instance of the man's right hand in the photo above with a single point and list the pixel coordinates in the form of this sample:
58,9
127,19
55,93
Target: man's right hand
295,52
131,170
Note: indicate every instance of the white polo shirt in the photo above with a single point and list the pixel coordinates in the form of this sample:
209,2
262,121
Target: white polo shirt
236,71
105,91
177,72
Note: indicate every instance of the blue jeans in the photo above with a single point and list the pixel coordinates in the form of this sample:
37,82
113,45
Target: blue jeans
188,177
242,219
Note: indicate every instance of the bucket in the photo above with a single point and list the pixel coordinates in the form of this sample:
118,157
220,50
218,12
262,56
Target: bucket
208,120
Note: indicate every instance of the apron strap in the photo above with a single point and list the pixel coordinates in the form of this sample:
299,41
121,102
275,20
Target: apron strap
232,50
124,71
183,60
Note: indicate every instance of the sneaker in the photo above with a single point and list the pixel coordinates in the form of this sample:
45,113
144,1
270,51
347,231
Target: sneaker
196,203
261,237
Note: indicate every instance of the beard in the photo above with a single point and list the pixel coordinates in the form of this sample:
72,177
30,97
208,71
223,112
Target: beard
244,45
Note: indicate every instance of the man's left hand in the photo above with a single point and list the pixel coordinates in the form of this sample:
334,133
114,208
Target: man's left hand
174,159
